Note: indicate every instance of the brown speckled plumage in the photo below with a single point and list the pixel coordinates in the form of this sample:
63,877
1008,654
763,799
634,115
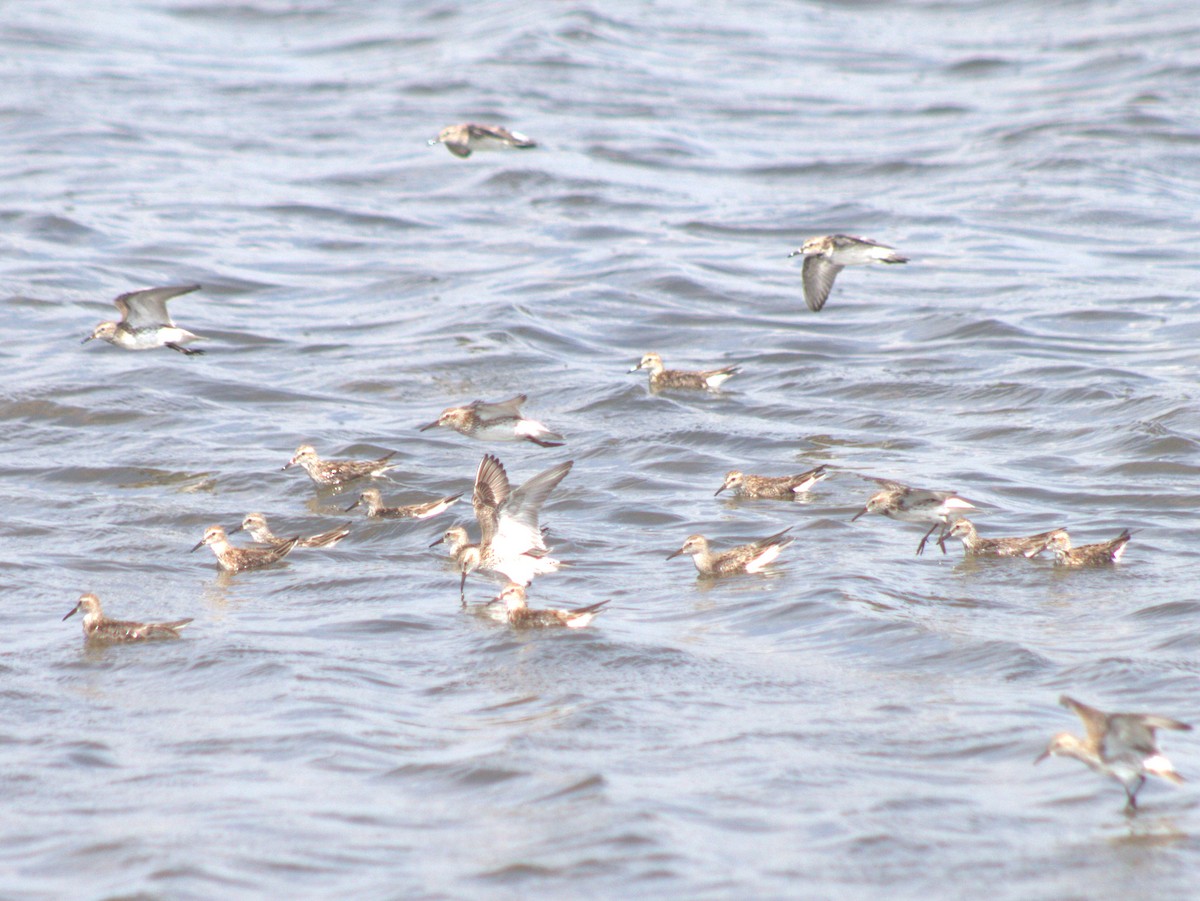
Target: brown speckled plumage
238,559
338,472
99,628
372,499
746,558
975,546
771,487
521,616
256,525
665,379
1100,554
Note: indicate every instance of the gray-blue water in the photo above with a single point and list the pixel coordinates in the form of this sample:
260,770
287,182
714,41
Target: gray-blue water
862,722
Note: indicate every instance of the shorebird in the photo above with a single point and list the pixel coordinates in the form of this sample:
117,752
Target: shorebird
521,616
256,525
1089,554
372,499
919,505
145,322
338,472
518,568
746,558
1120,745
462,140
236,559
98,627
974,546
661,378
499,421
827,255
772,487
510,541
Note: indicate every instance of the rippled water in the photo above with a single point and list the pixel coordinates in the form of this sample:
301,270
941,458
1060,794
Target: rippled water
861,722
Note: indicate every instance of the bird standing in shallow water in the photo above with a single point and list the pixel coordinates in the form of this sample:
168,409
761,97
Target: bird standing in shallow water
827,255
372,499
1120,745
237,559
521,616
745,558
974,546
98,627
1100,554
256,525
338,472
145,322
662,379
770,487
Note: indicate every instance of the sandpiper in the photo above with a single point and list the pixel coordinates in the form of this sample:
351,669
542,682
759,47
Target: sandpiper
98,627
1101,554
464,139
772,487
521,616
338,472
510,541
236,559
666,379
145,322
974,546
372,499
919,505
1120,745
499,421
518,568
746,558
256,525
827,255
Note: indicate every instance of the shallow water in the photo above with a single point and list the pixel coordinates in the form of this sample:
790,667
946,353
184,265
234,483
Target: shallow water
861,720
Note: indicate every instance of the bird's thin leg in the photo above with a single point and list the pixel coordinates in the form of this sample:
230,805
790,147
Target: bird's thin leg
1131,794
184,350
921,546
